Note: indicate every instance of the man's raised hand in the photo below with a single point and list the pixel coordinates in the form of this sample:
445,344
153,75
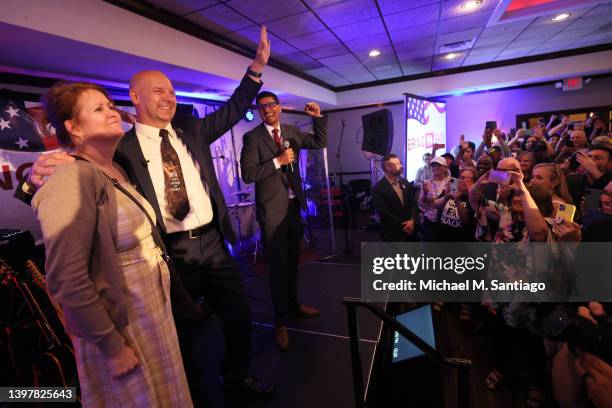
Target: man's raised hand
263,51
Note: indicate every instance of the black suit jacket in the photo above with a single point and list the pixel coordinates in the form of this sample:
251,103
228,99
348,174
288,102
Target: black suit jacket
197,134
391,211
256,163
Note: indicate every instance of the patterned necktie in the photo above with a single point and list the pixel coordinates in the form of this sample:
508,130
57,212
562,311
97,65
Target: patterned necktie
177,203
277,138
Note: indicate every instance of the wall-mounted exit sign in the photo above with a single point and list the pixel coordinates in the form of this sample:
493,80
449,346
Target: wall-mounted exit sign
572,84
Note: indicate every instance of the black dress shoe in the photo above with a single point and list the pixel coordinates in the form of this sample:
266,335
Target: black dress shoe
248,385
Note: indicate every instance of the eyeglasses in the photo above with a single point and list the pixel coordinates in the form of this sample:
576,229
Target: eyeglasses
270,105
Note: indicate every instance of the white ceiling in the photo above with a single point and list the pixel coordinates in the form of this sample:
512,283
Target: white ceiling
95,40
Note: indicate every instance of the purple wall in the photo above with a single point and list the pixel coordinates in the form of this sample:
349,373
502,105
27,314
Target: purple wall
467,115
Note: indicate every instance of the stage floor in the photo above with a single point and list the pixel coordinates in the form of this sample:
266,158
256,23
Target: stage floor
316,371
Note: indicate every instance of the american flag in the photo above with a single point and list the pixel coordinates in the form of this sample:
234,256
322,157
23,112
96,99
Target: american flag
416,110
18,129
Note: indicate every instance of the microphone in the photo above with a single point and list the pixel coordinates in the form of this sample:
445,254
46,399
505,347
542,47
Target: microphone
145,162
287,145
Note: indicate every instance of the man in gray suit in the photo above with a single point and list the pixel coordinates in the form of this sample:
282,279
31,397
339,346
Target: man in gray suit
268,159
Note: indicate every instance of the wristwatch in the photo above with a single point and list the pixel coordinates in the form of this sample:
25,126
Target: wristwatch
253,73
27,188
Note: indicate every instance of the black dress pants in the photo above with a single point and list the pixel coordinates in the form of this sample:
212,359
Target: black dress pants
206,268
282,245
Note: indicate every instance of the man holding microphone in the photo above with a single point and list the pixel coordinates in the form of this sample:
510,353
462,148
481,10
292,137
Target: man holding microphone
268,159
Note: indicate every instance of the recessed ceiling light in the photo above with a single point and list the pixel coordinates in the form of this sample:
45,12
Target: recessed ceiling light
471,5
561,17
450,56
374,53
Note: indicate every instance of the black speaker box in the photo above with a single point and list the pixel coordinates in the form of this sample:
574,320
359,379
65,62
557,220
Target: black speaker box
377,132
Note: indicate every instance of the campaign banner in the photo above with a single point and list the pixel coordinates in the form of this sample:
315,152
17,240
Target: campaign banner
22,141
425,126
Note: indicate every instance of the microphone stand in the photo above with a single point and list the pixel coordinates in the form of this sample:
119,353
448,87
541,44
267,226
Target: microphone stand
347,246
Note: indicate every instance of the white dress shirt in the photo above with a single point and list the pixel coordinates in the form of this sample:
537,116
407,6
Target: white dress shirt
275,160
200,206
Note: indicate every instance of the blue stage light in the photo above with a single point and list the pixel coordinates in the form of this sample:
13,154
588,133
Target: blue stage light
249,116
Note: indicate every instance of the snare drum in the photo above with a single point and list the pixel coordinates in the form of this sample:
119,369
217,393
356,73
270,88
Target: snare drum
243,218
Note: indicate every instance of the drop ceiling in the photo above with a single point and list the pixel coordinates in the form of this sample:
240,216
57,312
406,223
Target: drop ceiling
329,40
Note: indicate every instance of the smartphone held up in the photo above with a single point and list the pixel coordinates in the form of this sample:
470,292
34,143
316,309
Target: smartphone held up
499,177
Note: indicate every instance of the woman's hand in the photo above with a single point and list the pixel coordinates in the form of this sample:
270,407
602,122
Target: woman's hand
595,373
123,363
567,232
516,181
482,181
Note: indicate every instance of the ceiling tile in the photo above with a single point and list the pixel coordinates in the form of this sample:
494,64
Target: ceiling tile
295,25
386,56
410,36
394,6
361,29
425,42
220,15
601,9
182,7
555,42
591,21
312,40
327,75
464,23
505,28
386,71
548,18
544,31
368,43
280,47
338,82
453,8
415,53
441,66
522,48
250,38
498,39
506,55
478,59
416,66
321,3
604,28
602,36
493,49
261,11
530,42
302,66
458,36
320,72
546,49
347,12
413,17
340,60
355,73
441,62
327,51
299,60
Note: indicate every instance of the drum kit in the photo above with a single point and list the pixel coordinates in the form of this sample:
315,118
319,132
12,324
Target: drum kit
245,224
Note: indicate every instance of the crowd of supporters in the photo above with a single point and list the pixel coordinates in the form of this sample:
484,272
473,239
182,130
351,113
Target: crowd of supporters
551,183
